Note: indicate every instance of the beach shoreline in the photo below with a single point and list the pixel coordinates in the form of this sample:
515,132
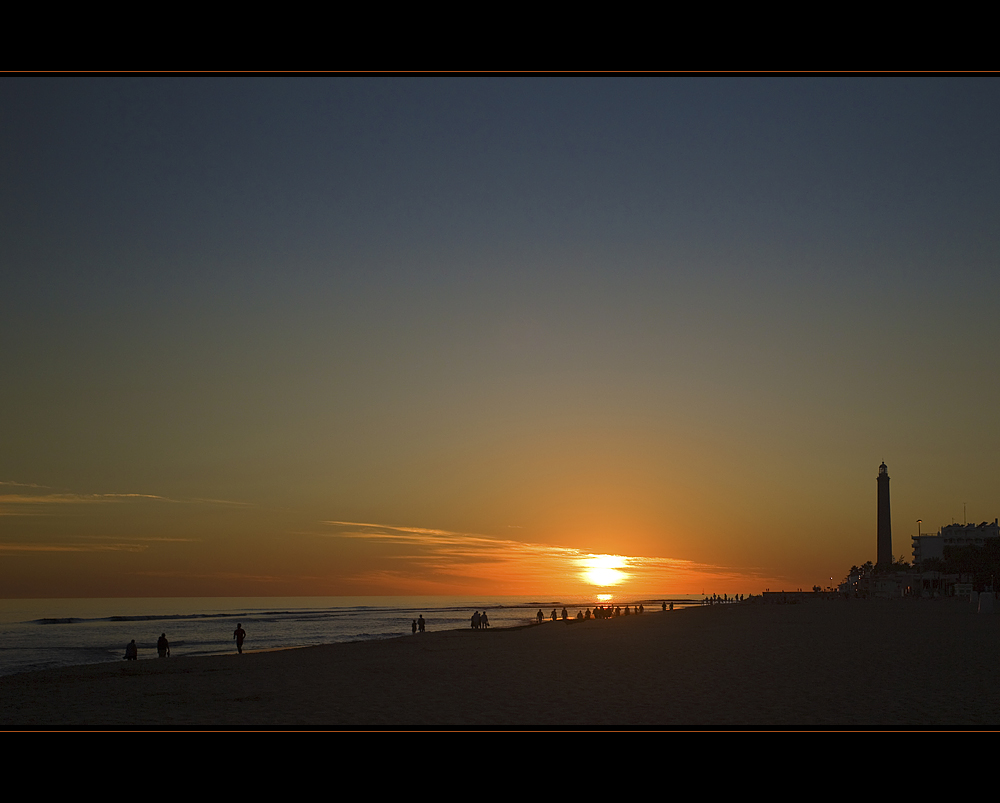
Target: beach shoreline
905,664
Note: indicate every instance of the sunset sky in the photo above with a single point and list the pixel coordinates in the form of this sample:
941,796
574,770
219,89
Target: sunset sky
469,335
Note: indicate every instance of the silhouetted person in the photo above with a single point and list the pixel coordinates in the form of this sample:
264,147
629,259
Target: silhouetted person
239,634
484,620
163,646
541,616
131,651
475,621
414,627
421,623
565,615
553,614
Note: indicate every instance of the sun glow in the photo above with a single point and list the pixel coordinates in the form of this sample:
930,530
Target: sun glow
604,570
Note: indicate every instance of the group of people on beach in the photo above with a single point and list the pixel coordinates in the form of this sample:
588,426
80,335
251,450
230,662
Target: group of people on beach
725,599
163,646
480,621
599,612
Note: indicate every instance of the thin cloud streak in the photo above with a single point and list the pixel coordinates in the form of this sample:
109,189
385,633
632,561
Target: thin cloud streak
35,504
14,548
61,499
227,577
418,530
436,555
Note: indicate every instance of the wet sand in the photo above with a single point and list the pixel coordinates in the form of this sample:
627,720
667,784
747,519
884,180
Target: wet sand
905,664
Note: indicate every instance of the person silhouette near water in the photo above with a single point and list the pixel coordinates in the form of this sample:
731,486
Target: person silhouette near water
239,634
131,651
163,646
414,627
421,623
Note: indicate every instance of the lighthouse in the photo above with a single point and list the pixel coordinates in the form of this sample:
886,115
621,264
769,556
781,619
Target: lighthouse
884,520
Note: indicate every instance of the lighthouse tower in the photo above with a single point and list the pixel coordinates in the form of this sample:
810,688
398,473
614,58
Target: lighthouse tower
884,520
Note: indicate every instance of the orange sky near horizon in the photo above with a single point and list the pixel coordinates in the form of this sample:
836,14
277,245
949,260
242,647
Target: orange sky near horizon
223,556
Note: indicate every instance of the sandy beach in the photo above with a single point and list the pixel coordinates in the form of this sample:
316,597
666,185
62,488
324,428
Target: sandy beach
824,664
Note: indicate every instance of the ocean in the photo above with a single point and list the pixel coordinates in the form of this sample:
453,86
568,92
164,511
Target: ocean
43,633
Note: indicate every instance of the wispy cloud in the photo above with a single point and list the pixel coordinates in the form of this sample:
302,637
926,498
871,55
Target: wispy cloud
369,529
11,548
218,502
42,504
434,555
227,577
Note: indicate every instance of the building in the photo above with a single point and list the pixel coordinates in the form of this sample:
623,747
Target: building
884,520
928,547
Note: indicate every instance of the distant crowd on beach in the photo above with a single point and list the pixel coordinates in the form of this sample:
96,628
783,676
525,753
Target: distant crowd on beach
725,599
600,612
480,621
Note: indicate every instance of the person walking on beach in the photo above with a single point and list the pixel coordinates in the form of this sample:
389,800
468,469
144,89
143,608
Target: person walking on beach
421,623
163,646
131,651
239,634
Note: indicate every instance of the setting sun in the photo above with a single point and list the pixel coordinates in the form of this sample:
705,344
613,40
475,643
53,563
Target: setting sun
604,570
